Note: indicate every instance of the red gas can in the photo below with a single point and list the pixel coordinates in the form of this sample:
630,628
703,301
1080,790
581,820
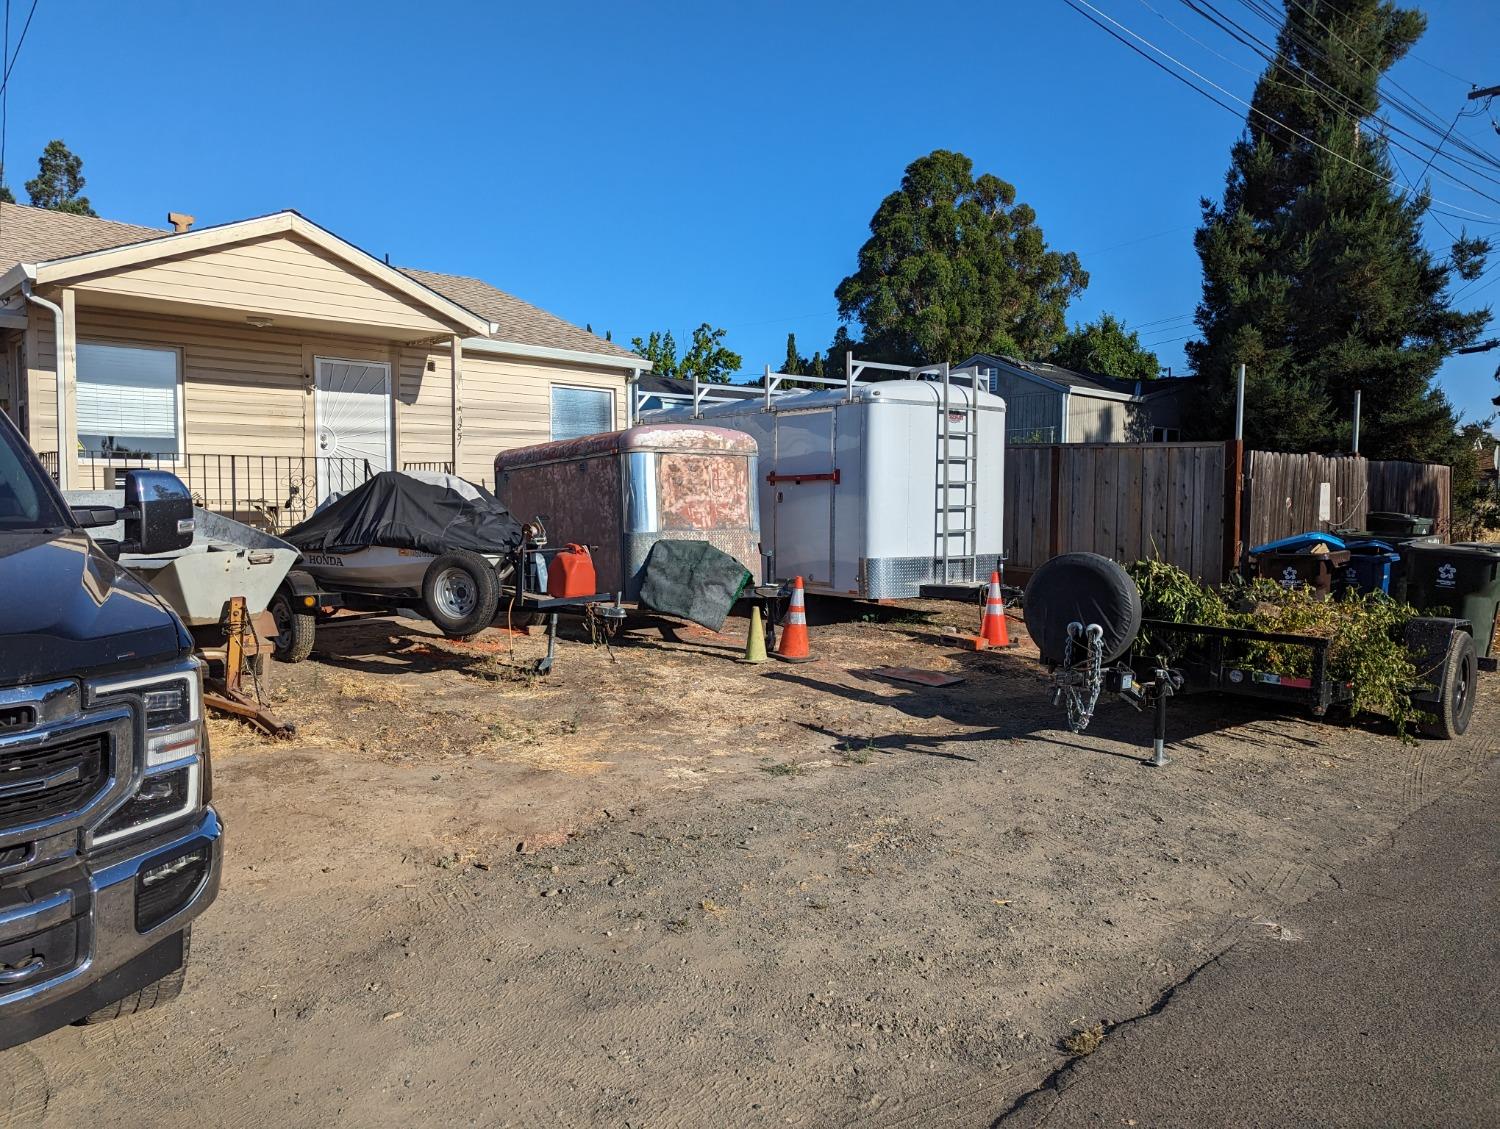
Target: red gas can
571,573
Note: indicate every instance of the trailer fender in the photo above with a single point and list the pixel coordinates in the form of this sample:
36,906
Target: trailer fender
1427,638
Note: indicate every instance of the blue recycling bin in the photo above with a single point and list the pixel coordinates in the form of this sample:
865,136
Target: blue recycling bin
1299,543
1399,543
1369,567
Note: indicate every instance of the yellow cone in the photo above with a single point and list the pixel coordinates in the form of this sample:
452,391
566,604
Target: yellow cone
755,641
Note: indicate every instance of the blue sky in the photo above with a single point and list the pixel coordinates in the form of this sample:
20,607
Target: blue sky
640,166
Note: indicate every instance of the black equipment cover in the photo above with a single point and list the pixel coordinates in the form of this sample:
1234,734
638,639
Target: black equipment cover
402,512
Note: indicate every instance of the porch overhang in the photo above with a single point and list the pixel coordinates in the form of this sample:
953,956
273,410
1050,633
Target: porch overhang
319,282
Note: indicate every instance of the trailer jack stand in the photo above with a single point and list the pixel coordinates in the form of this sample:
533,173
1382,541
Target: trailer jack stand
1162,688
544,664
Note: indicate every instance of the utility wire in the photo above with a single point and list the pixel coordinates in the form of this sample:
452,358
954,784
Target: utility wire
1345,105
1074,4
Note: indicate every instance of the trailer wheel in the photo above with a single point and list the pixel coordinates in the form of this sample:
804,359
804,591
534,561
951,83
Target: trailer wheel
295,629
165,990
461,592
1455,704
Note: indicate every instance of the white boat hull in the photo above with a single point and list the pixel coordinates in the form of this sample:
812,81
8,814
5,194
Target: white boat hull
377,568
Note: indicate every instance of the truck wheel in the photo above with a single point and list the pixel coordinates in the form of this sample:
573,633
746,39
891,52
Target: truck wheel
461,592
295,629
1455,704
168,988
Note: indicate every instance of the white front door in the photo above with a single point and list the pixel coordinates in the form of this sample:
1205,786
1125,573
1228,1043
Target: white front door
352,408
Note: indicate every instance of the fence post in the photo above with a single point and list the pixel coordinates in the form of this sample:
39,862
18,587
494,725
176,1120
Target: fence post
1234,489
1054,535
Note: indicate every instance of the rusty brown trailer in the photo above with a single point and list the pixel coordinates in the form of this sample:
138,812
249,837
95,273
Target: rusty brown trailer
620,492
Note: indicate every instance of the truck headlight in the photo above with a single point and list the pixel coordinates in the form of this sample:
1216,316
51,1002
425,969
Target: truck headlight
174,757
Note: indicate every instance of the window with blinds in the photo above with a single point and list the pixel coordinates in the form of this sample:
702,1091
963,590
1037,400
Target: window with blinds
127,401
581,411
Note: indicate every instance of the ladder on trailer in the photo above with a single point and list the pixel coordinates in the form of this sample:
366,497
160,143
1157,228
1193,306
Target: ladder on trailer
957,480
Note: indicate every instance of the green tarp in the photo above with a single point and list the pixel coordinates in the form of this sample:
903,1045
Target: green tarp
693,580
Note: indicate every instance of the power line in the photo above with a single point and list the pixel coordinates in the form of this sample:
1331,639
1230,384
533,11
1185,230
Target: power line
1074,4
1345,105
21,42
1428,120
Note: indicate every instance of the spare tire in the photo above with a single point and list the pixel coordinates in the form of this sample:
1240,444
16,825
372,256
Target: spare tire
460,592
1083,588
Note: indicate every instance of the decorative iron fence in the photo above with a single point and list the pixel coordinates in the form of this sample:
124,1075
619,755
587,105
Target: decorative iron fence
273,492
434,467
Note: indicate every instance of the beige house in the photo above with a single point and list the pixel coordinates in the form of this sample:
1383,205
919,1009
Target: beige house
268,361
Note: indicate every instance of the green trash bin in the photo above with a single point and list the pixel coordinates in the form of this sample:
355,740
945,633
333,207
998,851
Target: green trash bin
1463,578
1382,522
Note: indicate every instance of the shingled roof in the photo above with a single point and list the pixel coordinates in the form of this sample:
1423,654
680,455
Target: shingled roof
33,235
520,322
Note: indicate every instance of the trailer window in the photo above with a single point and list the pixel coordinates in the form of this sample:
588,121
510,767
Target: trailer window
581,411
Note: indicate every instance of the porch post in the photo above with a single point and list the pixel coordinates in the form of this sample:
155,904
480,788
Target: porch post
67,393
458,403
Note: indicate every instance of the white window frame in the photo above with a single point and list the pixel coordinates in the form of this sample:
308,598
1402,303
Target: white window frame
610,392
182,453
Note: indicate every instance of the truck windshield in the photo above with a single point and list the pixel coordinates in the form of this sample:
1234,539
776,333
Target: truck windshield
25,501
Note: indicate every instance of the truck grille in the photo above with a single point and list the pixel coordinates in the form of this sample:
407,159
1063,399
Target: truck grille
40,783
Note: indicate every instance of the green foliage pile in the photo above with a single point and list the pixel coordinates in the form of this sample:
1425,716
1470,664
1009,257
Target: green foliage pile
1364,633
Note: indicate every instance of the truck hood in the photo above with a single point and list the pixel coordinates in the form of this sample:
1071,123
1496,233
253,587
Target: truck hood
66,609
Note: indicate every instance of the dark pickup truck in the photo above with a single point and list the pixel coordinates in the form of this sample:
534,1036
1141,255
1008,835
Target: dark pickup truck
108,846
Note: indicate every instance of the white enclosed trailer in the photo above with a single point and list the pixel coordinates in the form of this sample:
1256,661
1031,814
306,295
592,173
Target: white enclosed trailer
874,489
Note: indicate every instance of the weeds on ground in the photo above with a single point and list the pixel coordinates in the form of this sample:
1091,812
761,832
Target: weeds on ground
855,753
1085,1042
785,768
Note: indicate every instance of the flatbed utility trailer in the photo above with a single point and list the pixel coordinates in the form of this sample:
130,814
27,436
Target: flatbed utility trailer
1084,613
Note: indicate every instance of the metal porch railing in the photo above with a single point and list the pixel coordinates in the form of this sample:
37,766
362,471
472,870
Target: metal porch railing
272,492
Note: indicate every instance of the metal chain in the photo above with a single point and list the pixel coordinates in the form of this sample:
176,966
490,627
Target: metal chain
1079,685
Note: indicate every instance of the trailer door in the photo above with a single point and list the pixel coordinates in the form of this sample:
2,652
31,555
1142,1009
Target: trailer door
803,476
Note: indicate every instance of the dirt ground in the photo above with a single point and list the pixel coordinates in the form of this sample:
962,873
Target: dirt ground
661,888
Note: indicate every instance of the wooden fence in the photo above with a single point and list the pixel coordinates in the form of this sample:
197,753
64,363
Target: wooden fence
1122,500
1194,505
1283,492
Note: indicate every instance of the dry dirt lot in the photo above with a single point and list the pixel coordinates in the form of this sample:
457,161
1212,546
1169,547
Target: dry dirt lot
659,888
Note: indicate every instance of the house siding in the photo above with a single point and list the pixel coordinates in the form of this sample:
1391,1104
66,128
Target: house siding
507,403
280,276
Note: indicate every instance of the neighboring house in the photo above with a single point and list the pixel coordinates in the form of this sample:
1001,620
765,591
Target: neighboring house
1050,404
270,351
654,392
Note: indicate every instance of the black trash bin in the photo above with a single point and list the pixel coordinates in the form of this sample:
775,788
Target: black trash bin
1398,542
1386,522
1464,579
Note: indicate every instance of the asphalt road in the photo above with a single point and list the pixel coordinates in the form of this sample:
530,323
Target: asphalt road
1375,1005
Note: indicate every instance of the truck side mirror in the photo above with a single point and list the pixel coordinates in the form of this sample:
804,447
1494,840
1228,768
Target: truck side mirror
158,513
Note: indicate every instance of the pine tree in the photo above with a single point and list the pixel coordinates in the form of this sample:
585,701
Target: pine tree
1314,272
59,182
793,363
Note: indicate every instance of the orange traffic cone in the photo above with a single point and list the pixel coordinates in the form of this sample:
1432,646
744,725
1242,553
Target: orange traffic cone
792,647
992,629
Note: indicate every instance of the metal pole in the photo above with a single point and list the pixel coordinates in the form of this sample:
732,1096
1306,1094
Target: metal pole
849,374
1239,404
767,382
1356,421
